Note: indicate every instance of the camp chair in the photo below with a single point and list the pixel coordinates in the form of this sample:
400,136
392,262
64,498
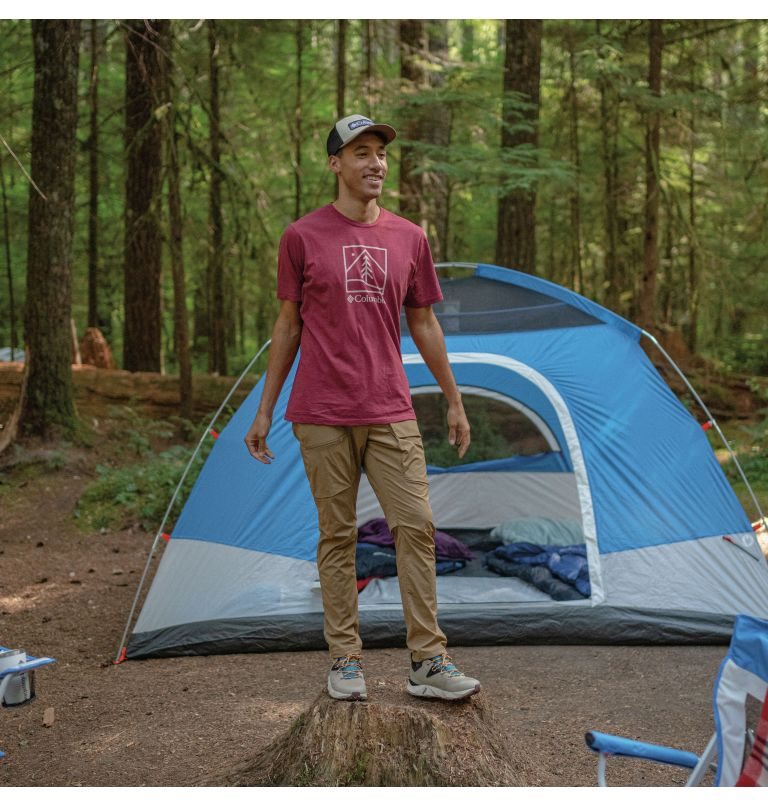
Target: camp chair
16,680
744,671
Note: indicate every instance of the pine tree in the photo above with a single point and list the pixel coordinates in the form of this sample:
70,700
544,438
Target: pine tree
48,402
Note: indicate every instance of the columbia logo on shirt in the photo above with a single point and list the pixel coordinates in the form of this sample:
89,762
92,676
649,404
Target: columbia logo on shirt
365,270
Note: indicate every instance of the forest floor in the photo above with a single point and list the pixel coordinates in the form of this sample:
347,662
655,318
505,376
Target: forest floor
66,592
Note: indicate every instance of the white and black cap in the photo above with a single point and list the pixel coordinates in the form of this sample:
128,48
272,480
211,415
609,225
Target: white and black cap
346,129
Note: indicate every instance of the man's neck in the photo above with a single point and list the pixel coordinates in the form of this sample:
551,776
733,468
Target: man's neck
365,212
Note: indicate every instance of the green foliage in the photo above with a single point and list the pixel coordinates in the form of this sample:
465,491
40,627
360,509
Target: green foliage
56,460
747,352
496,431
139,493
133,434
128,492
487,442
276,110
750,443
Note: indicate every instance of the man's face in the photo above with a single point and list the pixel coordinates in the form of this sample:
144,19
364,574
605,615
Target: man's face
362,166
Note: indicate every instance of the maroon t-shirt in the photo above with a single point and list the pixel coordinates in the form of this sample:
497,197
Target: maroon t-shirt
352,280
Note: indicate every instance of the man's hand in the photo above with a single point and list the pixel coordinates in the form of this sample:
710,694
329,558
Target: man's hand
256,438
458,428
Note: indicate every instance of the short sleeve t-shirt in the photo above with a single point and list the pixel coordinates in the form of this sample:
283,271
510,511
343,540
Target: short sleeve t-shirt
351,281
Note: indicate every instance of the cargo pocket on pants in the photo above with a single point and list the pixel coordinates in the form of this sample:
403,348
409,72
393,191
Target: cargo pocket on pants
327,458
411,450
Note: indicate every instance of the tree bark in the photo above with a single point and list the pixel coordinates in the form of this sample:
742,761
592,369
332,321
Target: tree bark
435,184
8,265
368,38
577,275
613,275
93,181
467,40
298,134
175,219
647,293
387,744
341,69
218,348
413,48
516,225
693,268
48,404
144,87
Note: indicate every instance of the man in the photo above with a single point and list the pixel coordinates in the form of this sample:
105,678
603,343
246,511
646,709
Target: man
344,273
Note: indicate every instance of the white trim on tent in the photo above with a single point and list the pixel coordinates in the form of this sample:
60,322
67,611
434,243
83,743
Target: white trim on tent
545,430
571,438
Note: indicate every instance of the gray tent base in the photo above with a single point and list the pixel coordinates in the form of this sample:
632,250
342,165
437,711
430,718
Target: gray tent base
487,626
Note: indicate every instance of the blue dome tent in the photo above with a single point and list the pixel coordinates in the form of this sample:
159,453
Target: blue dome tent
670,552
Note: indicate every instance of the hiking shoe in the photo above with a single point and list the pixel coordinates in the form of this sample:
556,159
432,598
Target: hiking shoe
345,680
439,677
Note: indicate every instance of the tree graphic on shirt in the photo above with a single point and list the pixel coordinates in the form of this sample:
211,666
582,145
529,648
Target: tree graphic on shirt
366,271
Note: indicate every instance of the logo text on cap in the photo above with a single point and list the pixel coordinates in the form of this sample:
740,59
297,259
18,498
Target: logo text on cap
356,124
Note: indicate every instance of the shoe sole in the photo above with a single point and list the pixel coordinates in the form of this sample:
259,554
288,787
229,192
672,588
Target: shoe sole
421,690
355,696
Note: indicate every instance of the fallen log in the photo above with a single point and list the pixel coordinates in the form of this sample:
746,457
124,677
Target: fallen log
396,743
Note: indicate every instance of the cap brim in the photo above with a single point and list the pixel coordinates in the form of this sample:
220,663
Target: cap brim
382,128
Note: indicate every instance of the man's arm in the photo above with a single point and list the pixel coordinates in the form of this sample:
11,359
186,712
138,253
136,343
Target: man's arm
428,336
286,336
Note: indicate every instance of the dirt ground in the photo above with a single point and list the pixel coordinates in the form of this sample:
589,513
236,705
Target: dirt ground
176,722
173,721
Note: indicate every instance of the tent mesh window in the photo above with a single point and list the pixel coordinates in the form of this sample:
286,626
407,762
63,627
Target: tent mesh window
501,431
498,430
479,305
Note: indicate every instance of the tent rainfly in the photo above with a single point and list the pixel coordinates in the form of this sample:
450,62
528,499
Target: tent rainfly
573,425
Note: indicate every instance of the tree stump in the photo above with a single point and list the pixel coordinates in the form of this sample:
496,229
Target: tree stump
396,743
95,351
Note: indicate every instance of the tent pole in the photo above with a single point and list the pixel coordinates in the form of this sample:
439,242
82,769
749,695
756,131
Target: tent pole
714,422
159,534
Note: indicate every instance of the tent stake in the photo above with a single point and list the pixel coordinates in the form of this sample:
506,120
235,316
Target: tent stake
159,534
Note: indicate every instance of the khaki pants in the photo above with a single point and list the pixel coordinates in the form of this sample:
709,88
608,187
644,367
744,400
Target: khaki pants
393,459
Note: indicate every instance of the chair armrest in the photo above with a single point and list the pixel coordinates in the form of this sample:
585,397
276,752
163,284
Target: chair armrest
27,666
619,746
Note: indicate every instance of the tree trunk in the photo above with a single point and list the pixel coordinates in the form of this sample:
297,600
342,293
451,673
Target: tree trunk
693,269
8,266
180,324
144,87
368,44
516,226
387,744
298,114
647,293
413,48
341,69
218,348
613,279
200,323
577,276
93,182
48,403
467,40
438,133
